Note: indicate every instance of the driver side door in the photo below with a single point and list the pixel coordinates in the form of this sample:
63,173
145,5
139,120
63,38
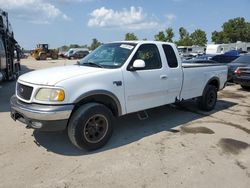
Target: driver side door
145,88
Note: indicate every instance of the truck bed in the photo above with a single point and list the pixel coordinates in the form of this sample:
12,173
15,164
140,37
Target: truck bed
197,75
193,65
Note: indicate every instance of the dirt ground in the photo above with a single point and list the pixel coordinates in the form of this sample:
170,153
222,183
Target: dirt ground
177,146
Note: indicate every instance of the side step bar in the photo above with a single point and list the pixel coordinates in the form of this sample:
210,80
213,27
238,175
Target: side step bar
142,115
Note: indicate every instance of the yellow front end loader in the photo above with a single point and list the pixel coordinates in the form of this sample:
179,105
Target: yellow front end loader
42,52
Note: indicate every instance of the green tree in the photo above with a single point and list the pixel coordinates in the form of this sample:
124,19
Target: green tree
165,37
84,46
169,34
74,46
233,30
160,36
64,48
130,36
95,44
218,37
185,39
183,33
199,37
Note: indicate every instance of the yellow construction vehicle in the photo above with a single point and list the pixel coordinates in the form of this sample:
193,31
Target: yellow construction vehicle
42,52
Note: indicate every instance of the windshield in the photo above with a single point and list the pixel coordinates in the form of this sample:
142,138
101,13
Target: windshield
71,51
111,55
242,59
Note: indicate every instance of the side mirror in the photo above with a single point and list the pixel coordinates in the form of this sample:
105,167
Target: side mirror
138,65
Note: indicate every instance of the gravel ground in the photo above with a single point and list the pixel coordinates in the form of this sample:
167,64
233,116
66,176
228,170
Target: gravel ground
177,146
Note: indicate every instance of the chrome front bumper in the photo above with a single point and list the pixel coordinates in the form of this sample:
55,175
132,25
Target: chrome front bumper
50,117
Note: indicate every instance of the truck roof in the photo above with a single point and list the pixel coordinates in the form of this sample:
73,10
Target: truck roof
143,42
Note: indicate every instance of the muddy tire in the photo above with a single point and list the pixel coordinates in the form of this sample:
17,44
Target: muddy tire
42,57
90,127
54,56
208,100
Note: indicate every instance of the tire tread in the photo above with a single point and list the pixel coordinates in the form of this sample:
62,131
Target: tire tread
73,125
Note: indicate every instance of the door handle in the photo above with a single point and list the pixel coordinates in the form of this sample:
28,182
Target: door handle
163,77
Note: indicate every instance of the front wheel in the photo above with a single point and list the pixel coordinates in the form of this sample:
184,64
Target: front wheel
90,127
208,100
43,57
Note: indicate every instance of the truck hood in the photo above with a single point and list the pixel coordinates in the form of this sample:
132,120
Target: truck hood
51,76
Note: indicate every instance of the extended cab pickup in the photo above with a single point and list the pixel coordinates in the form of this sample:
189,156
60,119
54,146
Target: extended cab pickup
116,79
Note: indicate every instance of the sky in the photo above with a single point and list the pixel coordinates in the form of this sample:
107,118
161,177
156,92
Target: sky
64,22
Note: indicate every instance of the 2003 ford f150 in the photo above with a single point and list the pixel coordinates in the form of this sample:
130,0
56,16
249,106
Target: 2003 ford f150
116,79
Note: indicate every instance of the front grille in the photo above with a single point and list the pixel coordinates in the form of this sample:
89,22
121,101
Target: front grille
24,91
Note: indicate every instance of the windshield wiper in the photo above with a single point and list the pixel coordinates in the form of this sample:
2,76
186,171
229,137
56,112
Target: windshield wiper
93,64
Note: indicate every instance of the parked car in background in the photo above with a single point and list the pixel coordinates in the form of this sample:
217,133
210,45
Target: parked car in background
242,77
188,57
201,61
66,54
226,57
242,61
221,58
61,53
205,57
78,54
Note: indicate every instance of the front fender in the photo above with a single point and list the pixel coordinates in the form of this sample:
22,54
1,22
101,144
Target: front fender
101,92
103,83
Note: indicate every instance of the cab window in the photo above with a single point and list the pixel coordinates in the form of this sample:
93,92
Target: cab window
150,55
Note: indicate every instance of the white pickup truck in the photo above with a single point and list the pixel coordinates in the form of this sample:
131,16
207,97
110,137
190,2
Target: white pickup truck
116,79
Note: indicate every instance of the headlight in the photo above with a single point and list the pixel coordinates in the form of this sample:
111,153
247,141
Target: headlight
48,94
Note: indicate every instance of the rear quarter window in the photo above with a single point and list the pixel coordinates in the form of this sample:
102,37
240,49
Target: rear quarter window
170,56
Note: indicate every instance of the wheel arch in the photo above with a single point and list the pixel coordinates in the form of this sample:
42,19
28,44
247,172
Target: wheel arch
42,53
214,81
103,97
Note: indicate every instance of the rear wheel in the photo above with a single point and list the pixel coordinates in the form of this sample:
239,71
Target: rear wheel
208,100
90,127
54,56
